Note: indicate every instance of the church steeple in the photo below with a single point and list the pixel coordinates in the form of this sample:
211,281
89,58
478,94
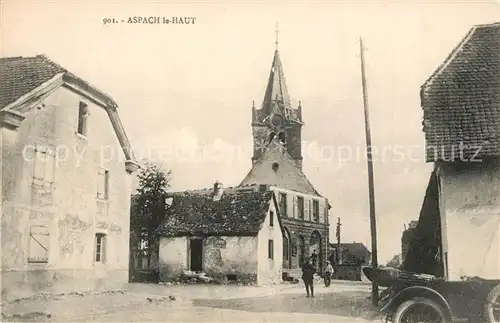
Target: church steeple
276,89
276,117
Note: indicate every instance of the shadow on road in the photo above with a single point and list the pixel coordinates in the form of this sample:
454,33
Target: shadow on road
347,304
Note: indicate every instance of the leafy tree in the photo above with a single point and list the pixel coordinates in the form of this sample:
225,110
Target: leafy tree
149,206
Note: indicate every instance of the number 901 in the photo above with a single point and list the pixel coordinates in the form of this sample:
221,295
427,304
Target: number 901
106,21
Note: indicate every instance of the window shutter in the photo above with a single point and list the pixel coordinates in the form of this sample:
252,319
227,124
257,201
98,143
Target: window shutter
49,166
39,164
39,242
44,163
82,118
103,249
100,184
294,207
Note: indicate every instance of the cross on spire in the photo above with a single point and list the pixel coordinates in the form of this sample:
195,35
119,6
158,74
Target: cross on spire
277,31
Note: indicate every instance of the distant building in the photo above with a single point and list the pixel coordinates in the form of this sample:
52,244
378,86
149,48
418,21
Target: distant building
458,233
65,205
232,234
352,257
355,253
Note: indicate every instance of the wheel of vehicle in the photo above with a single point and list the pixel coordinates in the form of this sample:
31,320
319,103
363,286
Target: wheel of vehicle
420,310
492,307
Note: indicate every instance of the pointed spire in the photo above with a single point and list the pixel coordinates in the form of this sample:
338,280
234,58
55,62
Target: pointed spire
276,89
277,32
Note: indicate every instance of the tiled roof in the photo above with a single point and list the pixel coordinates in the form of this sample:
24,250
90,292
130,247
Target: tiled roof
461,100
238,212
21,75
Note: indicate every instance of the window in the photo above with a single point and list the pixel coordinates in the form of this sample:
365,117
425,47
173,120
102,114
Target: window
100,247
44,164
39,242
281,137
300,206
271,136
271,219
83,113
270,249
103,184
283,206
316,211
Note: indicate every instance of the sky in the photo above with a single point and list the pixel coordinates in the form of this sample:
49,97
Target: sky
185,91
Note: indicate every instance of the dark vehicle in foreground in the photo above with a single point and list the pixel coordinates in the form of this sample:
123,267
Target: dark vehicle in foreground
412,297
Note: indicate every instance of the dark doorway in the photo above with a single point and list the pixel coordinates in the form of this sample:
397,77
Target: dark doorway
196,248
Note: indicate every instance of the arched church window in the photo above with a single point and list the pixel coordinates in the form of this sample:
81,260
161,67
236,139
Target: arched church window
271,136
281,137
275,166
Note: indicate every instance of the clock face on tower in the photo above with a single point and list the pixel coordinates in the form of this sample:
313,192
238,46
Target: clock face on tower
277,120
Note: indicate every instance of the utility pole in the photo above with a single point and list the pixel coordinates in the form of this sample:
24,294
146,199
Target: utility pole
339,251
371,189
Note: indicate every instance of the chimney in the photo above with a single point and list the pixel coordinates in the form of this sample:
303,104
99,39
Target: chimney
217,191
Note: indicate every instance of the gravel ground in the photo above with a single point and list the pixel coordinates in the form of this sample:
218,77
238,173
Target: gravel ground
200,303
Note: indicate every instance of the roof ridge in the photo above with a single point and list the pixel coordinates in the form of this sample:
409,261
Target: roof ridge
50,61
227,190
492,24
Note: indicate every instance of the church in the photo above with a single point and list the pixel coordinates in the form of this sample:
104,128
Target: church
229,232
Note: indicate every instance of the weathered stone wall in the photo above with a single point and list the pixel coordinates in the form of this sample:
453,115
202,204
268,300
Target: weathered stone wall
269,270
224,256
470,213
67,207
172,258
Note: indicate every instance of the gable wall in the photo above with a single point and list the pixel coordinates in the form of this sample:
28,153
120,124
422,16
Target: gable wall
470,204
287,176
269,270
69,207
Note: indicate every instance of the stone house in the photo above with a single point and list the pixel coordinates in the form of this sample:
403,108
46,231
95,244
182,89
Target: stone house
355,253
277,165
461,105
352,257
277,162
232,234
66,177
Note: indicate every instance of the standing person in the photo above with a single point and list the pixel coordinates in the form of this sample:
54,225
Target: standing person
308,277
328,274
